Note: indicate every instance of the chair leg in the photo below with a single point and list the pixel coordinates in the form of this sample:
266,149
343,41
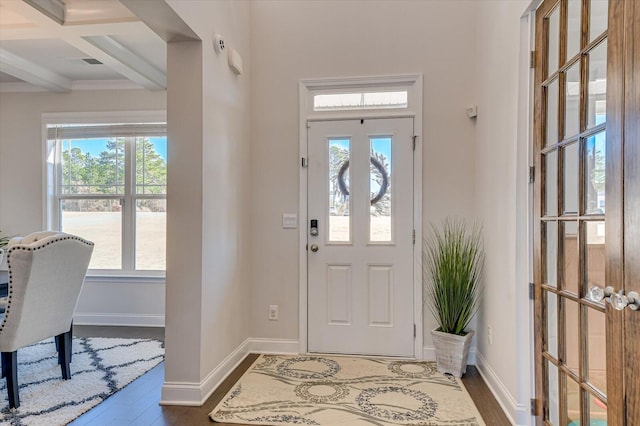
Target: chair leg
10,370
64,354
57,341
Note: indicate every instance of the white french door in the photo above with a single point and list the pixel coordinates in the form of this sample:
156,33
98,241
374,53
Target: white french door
360,242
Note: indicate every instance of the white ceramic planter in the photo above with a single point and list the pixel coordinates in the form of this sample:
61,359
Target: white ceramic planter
452,352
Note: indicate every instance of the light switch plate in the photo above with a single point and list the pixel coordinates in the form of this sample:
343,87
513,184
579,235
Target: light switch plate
289,220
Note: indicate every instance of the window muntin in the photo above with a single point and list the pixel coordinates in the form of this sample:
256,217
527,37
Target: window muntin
108,184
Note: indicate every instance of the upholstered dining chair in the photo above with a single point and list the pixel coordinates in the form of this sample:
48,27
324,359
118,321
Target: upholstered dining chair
46,274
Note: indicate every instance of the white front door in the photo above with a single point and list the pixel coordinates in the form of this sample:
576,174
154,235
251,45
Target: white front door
360,263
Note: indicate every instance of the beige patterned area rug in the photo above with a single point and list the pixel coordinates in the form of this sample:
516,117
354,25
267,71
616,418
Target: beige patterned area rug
347,391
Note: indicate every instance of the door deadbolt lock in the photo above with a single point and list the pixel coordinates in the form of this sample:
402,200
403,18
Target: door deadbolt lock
314,247
313,227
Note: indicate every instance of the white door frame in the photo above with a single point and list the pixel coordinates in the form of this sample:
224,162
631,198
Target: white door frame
308,87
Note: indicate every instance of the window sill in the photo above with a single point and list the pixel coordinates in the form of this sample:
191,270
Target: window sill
148,279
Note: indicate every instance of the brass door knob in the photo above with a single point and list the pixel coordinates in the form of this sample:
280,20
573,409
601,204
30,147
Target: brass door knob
314,247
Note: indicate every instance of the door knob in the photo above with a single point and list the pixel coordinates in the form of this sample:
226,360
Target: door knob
618,300
597,294
314,247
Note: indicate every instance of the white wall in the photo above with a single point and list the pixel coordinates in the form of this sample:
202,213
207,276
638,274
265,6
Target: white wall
313,39
21,192
208,202
499,186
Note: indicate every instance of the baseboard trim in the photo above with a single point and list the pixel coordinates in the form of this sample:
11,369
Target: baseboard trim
507,402
273,346
429,354
131,320
195,394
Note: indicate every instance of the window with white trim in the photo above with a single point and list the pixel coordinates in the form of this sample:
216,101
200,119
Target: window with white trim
360,100
107,183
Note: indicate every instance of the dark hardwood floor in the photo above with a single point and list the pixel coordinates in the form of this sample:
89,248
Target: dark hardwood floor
137,404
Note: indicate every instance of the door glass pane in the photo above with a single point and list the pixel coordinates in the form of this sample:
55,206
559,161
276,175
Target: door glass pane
554,396
551,253
151,165
597,412
554,40
339,186
597,349
573,28
597,89
595,256
594,171
573,402
572,101
380,190
571,173
572,333
151,234
552,113
570,256
552,324
551,183
598,17
99,221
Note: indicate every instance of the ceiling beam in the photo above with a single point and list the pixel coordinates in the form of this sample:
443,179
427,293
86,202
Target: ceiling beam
83,30
100,47
128,63
162,19
35,74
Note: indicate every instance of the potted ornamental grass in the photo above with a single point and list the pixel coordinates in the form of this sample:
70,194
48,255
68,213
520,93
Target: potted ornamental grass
453,258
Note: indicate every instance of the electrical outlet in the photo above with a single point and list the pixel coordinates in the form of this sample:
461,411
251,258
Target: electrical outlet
273,312
490,334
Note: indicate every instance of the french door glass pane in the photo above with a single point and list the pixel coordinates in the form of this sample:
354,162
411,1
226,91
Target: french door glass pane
573,28
597,412
99,221
595,255
573,402
551,253
594,171
551,183
554,40
339,187
380,188
570,177
572,101
151,234
552,113
598,18
597,349
570,255
552,324
553,401
572,334
597,89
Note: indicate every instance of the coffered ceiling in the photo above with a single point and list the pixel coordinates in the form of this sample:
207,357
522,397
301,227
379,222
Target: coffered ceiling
65,45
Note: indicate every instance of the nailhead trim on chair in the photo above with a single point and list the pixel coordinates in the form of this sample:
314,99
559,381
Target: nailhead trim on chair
16,247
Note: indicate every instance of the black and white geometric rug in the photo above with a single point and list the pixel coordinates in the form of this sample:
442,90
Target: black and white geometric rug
100,367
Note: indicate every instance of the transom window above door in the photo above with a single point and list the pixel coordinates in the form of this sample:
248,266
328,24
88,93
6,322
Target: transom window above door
360,100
